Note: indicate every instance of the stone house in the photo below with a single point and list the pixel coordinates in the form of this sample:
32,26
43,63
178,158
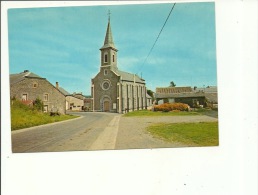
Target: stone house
74,102
179,94
27,86
211,95
88,103
149,101
113,90
193,97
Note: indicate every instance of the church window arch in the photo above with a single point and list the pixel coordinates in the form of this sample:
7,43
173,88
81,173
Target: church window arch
106,84
105,57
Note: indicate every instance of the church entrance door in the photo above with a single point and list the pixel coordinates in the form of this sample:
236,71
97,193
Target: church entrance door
106,106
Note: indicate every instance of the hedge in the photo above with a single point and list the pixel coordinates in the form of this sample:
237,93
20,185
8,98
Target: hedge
167,107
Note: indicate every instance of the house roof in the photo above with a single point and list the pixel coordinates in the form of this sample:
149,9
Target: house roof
148,96
125,76
212,97
64,91
179,95
209,93
14,78
209,89
170,90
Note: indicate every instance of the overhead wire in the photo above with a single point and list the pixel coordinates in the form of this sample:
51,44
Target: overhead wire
157,37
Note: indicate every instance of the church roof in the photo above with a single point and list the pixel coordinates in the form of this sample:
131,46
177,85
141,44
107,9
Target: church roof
109,38
125,76
15,78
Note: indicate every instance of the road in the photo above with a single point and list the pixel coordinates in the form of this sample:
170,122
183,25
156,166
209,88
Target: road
96,131
84,133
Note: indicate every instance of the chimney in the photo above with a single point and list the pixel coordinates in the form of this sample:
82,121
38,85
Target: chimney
57,85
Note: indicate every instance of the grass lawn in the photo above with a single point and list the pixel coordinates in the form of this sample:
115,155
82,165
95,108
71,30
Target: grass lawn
23,116
190,134
159,113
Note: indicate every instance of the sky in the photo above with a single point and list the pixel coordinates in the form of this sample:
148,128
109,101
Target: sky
62,44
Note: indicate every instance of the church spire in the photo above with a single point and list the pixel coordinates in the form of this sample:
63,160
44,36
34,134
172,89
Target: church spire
108,50
109,43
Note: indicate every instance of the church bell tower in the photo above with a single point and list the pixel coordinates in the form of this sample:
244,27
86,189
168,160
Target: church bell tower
108,50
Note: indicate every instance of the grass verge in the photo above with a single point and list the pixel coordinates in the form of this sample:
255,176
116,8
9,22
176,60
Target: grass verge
23,116
190,134
159,113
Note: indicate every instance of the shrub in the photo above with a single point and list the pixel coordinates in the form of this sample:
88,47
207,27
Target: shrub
171,107
38,105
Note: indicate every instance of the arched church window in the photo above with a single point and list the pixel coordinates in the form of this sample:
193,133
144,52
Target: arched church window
113,57
105,58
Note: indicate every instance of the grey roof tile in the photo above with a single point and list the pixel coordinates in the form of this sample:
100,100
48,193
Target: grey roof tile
129,76
14,78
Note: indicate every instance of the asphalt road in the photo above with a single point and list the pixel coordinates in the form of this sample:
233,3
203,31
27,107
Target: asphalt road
82,133
97,131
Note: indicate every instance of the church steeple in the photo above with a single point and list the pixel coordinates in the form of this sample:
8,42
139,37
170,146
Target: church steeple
109,38
108,50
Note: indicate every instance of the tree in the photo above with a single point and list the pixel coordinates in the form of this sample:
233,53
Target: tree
150,93
38,105
172,84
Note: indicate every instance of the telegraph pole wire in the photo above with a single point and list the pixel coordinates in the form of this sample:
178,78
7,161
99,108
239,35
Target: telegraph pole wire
158,36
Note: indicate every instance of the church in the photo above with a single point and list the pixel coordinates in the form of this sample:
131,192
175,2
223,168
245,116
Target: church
113,90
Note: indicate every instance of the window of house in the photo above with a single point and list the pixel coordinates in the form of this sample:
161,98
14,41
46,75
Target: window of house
25,96
35,85
45,97
105,58
45,108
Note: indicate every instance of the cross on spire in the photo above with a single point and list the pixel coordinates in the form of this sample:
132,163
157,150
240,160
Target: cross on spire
109,15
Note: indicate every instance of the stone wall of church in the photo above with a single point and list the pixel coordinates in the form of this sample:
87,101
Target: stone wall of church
133,96
100,94
32,88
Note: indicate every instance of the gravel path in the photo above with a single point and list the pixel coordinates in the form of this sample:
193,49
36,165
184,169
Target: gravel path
132,133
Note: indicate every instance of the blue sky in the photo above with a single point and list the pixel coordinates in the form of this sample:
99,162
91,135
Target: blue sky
62,43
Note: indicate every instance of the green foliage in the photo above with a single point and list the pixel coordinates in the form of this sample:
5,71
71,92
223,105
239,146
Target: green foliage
38,105
172,84
190,134
23,116
150,93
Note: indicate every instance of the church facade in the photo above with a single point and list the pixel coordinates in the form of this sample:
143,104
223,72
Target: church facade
114,90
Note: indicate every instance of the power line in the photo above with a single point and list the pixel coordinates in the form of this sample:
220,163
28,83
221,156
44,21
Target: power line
157,36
